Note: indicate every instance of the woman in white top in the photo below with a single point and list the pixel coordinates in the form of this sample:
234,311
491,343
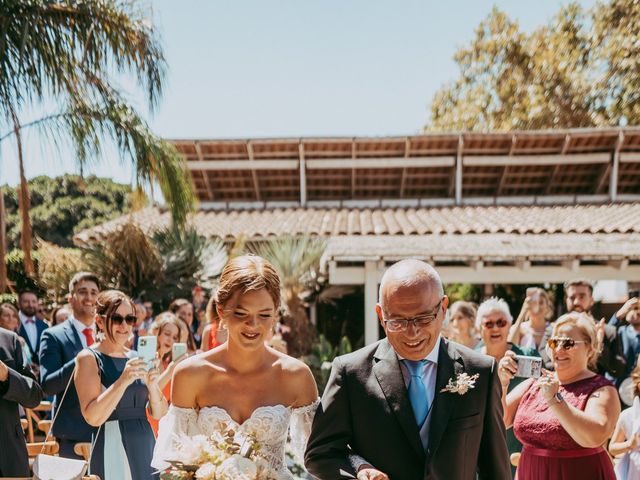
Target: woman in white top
626,437
242,384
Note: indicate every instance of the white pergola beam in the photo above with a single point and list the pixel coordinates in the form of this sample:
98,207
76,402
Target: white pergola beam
386,162
503,160
243,165
355,275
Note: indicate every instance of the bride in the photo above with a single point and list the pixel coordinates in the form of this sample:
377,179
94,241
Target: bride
242,385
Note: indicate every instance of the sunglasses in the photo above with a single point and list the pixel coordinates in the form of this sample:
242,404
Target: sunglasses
119,319
498,323
564,343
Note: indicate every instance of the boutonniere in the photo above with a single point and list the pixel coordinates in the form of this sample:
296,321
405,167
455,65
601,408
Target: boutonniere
461,384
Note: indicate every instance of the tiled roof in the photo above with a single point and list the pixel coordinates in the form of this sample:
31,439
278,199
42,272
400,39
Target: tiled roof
265,223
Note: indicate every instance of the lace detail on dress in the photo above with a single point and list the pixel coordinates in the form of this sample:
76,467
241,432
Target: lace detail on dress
301,420
269,424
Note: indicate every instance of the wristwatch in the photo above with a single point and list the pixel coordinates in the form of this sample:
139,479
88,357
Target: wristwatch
558,398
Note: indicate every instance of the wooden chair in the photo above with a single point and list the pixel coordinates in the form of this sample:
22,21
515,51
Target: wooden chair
23,423
515,459
83,449
48,448
44,426
34,418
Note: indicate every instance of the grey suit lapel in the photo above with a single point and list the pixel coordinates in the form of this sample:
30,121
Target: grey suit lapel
449,365
387,371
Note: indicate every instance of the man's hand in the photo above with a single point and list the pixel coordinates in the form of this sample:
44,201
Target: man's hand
4,372
600,333
627,307
367,472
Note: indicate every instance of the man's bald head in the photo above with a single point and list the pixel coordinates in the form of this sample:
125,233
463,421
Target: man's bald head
409,274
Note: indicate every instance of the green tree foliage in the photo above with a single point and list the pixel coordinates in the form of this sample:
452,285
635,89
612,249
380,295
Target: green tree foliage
159,268
582,69
65,205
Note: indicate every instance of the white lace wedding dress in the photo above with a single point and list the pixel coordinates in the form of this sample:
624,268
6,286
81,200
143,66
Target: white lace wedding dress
269,424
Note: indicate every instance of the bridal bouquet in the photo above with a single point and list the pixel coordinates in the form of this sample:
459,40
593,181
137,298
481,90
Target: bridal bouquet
217,457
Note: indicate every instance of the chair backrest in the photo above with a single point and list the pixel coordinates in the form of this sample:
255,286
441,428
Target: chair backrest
48,448
83,449
44,426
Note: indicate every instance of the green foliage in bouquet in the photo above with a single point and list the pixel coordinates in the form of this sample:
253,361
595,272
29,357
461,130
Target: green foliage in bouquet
321,358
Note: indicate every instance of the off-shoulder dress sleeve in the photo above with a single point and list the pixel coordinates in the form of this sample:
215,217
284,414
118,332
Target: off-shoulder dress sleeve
300,429
176,423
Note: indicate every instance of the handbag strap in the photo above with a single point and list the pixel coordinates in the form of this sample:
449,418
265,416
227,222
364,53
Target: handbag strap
57,411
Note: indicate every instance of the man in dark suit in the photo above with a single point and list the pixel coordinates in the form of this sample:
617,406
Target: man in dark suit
18,386
611,361
31,327
60,346
386,411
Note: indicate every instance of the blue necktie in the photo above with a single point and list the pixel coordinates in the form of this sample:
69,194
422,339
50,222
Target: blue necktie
417,391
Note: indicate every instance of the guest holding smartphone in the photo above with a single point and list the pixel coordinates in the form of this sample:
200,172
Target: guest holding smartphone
115,388
493,320
170,331
532,328
564,418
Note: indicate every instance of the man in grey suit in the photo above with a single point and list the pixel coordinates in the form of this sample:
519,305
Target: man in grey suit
412,406
18,386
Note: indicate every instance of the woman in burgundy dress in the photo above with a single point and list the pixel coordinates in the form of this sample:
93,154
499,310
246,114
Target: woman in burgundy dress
565,417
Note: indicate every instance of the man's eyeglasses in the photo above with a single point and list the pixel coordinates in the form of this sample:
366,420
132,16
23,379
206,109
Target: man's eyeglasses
118,319
497,323
564,343
421,321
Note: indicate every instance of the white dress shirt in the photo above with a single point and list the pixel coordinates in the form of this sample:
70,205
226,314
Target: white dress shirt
429,379
79,326
31,329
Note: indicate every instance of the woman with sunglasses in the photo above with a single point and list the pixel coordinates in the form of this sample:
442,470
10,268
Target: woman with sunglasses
115,388
563,418
493,320
626,437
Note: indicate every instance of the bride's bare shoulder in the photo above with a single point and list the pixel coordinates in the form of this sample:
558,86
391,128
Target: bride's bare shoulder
299,379
196,366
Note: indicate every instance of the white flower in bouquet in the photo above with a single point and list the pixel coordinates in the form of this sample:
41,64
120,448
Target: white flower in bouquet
237,467
206,471
192,450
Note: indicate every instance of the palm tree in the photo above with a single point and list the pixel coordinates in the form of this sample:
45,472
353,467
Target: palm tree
297,261
68,51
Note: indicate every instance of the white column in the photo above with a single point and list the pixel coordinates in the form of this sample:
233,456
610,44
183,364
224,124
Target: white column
370,300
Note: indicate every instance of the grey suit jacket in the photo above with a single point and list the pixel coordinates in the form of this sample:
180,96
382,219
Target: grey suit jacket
366,413
20,388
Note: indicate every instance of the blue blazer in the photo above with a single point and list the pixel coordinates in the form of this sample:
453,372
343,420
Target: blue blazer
58,350
34,349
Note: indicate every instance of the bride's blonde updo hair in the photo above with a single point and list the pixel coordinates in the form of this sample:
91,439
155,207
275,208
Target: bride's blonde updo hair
244,273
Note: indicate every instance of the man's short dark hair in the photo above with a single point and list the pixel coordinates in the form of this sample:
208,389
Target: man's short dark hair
578,282
25,292
83,277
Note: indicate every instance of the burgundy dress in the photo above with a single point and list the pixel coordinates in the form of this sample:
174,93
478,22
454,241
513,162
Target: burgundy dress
549,452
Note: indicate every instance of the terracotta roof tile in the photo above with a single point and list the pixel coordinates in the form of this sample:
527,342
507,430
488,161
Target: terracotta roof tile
532,220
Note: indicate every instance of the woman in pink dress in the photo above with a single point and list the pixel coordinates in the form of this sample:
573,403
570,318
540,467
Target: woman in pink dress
564,418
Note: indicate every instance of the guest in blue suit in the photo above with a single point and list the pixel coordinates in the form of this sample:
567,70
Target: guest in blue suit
31,327
59,347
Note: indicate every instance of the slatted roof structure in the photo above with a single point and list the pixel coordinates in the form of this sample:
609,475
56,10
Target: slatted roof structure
557,166
519,207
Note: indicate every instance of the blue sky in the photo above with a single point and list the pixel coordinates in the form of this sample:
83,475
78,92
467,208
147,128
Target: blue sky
266,68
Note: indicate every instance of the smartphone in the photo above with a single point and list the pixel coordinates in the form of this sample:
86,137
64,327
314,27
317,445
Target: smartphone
147,347
529,366
178,350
